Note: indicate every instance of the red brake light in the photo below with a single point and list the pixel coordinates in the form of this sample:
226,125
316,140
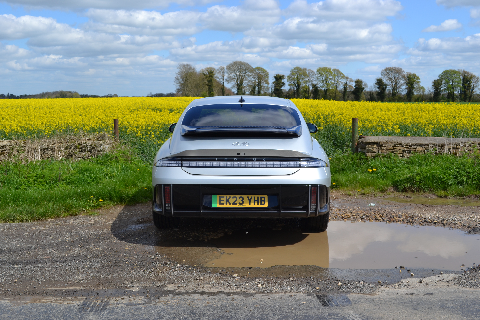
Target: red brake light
313,199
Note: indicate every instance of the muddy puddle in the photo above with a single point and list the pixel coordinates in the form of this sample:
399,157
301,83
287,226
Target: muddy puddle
345,245
436,201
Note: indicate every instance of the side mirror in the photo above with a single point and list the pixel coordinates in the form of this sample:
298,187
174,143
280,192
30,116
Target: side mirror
172,127
312,128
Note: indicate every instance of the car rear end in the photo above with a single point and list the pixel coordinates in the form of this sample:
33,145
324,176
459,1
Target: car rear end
272,171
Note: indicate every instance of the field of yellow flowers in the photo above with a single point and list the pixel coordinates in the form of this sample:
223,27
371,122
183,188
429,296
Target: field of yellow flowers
146,119
26,118
399,119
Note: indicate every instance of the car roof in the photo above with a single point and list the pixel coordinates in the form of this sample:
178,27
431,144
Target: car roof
247,100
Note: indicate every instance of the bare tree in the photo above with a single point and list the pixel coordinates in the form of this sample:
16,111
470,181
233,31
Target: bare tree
239,73
395,79
347,86
260,77
189,83
220,77
325,80
313,86
337,79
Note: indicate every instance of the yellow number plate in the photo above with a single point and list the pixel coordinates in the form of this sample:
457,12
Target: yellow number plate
235,201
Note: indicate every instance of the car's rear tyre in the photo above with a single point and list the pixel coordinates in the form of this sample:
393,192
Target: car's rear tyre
315,224
162,222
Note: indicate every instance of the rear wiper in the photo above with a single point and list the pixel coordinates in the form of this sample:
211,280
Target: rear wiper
242,131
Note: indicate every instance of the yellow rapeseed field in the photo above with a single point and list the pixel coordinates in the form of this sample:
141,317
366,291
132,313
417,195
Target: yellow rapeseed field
142,116
400,119
146,117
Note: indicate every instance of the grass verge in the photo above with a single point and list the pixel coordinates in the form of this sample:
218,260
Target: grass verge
443,175
48,189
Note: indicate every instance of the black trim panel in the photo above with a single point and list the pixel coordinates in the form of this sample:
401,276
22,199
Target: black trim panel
284,201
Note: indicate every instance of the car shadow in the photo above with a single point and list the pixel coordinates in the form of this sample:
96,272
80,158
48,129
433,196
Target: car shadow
237,242
134,224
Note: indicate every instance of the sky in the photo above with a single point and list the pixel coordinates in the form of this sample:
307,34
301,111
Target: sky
133,48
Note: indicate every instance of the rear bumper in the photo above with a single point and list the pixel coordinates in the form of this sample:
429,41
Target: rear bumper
284,200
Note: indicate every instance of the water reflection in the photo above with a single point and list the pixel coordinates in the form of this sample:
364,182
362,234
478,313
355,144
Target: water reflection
345,245
259,248
381,245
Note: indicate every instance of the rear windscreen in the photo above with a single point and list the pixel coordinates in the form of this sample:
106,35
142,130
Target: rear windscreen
246,115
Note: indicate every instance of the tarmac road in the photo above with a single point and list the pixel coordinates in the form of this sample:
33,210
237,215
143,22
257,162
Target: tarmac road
431,303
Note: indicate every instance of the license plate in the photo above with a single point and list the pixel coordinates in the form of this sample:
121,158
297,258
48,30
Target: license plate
235,201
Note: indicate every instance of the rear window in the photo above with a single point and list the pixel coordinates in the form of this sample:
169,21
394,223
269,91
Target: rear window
242,116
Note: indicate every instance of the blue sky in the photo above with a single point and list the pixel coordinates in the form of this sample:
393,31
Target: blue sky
132,48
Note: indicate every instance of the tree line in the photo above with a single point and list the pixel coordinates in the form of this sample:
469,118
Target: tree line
55,95
394,84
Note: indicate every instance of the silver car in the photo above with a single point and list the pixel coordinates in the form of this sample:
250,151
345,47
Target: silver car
242,157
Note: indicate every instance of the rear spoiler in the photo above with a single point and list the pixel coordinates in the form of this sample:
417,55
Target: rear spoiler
293,132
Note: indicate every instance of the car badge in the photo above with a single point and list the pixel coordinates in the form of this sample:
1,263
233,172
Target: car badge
240,144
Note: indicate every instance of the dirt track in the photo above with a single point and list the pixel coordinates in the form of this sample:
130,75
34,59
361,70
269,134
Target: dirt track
115,251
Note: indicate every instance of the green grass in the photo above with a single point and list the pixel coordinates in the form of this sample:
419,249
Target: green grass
440,174
49,189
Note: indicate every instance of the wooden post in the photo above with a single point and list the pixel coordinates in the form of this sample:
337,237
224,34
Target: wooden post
354,134
115,129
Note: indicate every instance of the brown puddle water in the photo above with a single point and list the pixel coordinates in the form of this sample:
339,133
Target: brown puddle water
345,245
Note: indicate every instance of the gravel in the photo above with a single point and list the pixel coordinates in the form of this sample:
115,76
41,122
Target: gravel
114,253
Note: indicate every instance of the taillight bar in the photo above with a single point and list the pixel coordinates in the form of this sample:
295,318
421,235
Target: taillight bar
242,163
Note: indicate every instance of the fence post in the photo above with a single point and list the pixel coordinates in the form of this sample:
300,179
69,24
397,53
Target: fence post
354,134
115,129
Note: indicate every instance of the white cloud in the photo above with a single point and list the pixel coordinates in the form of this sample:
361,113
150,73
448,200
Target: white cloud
372,69
146,61
292,53
331,32
103,4
250,15
221,51
12,52
447,25
430,57
143,22
23,27
458,3
475,13
15,66
463,46
46,36
318,48
360,10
